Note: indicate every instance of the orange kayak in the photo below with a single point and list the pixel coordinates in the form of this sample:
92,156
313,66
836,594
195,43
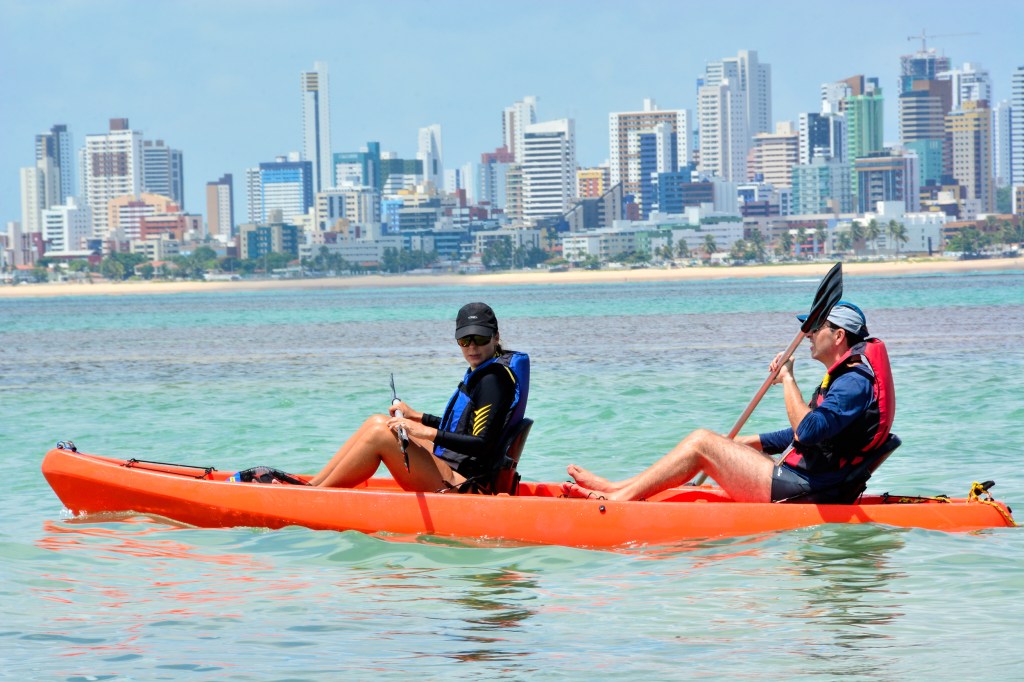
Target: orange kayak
199,496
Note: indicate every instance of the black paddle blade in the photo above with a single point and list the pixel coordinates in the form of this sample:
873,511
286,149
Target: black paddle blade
829,292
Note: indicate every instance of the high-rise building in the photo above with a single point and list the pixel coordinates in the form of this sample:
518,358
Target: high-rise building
922,118
821,135
514,193
126,213
864,123
724,140
549,168
254,195
514,121
163,171
887,176
752,80
40,188
431,155
970,131
358,205
923,65
111,167
591,183
492,177
220,207
1017,127
66,226
316,125
969,83
285,184
774,155
1001,143
821,186
656,152
623,143
56,145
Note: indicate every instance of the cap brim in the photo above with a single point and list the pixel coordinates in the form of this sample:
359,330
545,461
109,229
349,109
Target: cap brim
802,318
473,329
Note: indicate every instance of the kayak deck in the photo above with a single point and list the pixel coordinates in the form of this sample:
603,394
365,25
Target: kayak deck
202,496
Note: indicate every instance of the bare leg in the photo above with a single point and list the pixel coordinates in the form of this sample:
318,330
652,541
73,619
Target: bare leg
373,443
742,471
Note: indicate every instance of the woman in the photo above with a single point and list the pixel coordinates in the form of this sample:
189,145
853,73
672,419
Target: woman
444,452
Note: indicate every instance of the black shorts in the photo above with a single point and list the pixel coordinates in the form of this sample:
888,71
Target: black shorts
795,485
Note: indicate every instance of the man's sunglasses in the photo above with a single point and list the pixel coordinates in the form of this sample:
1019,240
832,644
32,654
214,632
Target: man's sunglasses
474,339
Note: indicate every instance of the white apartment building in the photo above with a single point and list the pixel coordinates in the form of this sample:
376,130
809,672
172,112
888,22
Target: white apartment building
111,167
514,122
316,124
430,153
549,168
774,155
624,153
1017,127
356,205
40,189
254,195
969,83
752,80
723,131
66,227
1001,143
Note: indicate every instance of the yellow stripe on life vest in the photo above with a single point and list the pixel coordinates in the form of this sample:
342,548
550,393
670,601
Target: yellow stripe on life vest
480,419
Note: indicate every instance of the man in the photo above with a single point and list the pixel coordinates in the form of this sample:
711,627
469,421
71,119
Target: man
849,415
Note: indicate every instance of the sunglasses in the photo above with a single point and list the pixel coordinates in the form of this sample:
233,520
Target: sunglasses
474,339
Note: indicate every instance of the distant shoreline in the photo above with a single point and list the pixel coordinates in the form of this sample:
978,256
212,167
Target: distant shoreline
526,277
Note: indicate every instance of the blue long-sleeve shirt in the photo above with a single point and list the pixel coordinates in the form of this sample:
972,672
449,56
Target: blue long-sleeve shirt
847,398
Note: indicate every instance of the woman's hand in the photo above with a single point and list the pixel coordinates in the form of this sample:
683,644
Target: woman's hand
415,430
407,412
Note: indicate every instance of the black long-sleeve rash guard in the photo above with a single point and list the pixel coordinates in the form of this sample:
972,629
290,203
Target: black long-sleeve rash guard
492,399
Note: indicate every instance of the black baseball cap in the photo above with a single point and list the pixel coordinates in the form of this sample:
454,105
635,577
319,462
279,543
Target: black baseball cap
475,318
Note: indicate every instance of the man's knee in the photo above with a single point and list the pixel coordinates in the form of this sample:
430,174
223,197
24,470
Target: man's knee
702,437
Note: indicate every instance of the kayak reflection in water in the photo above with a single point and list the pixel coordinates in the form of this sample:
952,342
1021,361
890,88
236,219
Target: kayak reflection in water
846,420
443,452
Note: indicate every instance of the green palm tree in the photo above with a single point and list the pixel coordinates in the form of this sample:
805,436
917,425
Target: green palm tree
821,235
898,235
710,246
682,249
857,234
872,233
844,242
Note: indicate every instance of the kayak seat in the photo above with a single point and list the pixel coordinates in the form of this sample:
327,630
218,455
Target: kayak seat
503,478
506,478
854,481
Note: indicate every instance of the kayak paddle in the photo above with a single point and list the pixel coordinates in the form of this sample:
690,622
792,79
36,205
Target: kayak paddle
830,290
403,438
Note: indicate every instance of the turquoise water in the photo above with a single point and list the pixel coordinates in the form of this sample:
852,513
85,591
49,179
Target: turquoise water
620,373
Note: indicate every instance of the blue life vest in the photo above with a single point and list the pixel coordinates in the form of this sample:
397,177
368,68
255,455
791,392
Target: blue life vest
458,416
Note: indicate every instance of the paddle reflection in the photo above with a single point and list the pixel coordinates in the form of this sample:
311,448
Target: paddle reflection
846,578
495,600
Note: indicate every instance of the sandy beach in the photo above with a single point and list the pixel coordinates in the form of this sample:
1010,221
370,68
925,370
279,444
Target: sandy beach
523,277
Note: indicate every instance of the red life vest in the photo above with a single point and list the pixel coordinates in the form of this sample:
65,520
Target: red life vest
872,429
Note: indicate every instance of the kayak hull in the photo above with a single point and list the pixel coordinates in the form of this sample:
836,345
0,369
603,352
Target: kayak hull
90,484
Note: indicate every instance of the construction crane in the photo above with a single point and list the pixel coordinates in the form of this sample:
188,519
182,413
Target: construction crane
924,37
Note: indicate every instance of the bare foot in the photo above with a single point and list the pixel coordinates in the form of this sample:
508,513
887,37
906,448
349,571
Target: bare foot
589,479
573,490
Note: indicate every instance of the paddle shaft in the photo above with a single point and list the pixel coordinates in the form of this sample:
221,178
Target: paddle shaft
786,354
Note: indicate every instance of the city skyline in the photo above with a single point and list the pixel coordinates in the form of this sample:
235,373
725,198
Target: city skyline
222,86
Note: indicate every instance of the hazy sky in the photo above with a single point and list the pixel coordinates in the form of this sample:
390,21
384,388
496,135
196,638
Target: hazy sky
219,79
